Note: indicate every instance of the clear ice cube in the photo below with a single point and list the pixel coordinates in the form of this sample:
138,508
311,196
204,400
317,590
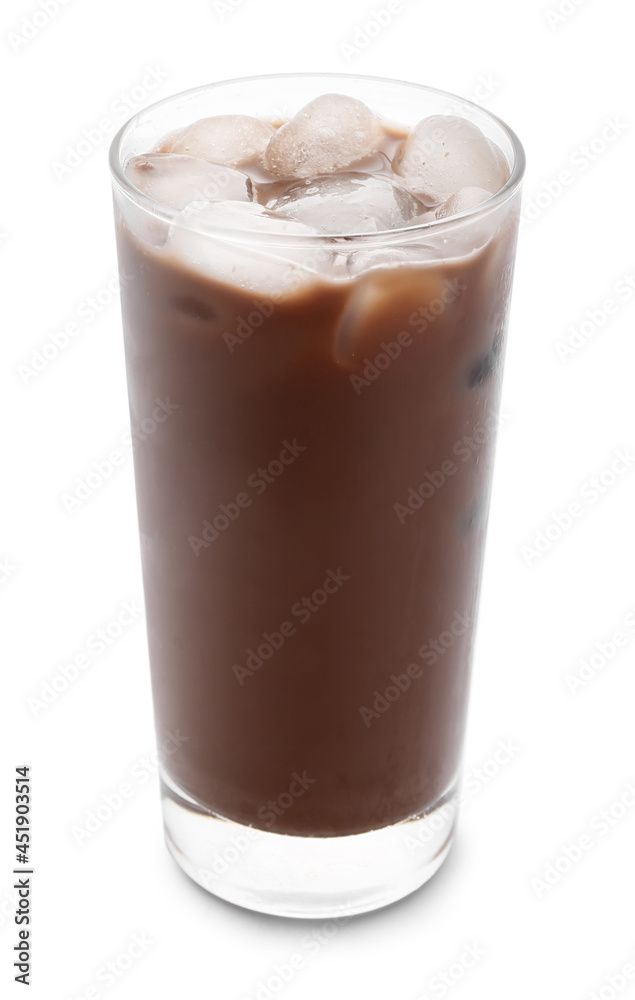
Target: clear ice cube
240,253
462,201
443,154
408,255
348,203
229,140
370,310
175,180
330,133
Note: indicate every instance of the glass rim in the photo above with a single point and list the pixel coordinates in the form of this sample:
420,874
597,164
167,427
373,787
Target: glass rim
246,235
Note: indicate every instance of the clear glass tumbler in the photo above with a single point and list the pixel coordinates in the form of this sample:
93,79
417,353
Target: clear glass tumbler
313,486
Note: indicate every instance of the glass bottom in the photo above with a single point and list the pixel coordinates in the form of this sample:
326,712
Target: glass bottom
290,876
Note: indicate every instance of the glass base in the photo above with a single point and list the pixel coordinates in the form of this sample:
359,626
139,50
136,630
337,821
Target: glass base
310,877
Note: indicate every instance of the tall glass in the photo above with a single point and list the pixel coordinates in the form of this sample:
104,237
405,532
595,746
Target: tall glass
312,499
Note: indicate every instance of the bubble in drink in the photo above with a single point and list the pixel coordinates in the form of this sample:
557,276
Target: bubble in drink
229,140
443,154
330,133
462,201
177,180
348,203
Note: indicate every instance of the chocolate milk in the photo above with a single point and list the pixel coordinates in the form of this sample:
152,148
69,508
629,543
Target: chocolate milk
312,517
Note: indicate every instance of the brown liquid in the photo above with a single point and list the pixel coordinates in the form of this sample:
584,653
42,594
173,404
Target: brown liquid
356,452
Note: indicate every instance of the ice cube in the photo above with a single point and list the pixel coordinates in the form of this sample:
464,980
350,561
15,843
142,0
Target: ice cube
230,140
413,255
376,299
330,133
176,180
240,252
443,154
246,217
462,201
348,203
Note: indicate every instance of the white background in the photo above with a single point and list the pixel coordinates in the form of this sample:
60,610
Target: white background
557,83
